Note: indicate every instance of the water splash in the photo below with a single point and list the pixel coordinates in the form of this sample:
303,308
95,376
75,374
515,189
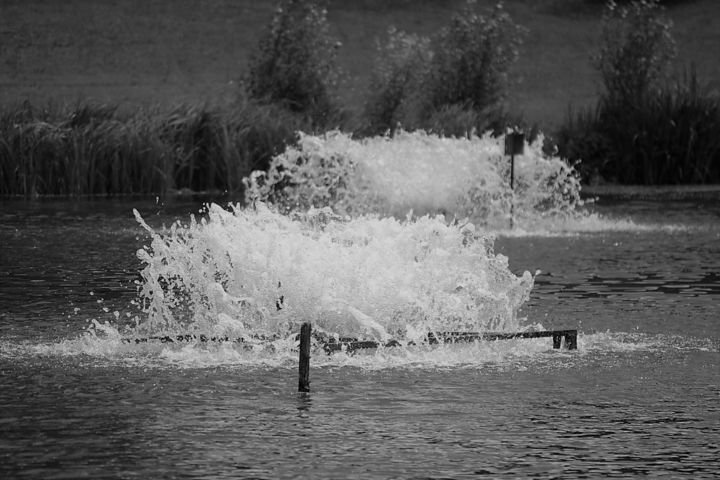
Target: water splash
423,173
254,273
102,345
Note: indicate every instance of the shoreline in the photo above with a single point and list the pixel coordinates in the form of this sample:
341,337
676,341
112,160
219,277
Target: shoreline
608,191
652,192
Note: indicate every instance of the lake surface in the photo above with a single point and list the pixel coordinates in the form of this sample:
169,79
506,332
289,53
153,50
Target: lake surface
640,396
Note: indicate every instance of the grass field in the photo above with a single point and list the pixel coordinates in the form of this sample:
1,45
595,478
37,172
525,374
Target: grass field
135,52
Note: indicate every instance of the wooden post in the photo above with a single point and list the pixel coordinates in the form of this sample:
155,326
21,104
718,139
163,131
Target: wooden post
304,367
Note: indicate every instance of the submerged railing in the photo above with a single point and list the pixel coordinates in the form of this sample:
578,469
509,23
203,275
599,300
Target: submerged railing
351,344
567,337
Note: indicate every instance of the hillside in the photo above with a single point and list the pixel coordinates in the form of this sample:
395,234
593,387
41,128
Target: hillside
136,52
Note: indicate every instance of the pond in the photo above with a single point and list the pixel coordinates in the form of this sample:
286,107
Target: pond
640,396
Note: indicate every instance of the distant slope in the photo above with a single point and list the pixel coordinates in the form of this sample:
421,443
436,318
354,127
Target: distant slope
167,51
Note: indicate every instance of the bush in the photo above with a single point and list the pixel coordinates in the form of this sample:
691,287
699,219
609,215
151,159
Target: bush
644,128
471,59
295,61
636,48
463,68
670,137
400,66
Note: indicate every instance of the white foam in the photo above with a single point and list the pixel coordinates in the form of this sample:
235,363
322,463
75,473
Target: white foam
423,173
256,272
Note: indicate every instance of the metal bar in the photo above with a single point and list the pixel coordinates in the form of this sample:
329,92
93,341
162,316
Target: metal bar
331,344
571,339
351,344
304,367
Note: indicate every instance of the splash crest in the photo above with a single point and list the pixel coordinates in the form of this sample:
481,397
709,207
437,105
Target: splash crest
255,272
424,173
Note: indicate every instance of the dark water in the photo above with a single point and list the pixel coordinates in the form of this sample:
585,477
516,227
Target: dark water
641,396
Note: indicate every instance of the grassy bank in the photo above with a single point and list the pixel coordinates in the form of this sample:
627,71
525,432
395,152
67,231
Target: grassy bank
189,51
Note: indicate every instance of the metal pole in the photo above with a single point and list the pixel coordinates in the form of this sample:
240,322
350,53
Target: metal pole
512,190
304,367
514,145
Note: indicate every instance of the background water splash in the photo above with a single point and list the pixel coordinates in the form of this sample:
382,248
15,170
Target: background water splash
423,173
256,273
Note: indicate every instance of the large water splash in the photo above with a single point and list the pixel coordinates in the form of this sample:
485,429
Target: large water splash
422,173
253,273
346,255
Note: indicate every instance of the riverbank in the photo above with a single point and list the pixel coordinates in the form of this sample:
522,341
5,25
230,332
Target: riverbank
657,192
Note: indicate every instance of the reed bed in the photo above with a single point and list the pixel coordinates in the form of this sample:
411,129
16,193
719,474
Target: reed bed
89,149
669,136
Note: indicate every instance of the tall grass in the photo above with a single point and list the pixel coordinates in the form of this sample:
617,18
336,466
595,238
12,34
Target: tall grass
644,130
91,149
669,137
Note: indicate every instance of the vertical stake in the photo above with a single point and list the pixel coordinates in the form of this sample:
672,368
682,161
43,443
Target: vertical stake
304,367
514,145
571,340
512,190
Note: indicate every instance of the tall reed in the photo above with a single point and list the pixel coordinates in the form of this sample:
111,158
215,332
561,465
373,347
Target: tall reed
669,136
91,149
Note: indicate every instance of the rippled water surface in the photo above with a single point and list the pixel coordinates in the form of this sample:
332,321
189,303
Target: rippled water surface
640,396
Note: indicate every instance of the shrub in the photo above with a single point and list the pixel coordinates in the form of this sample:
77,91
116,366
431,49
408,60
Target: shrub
419,82
471,59
295,61
670,137
400,65
636,48
644,129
